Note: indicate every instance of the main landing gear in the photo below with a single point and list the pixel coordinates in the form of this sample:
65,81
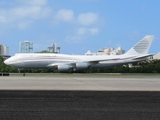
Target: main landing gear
19,70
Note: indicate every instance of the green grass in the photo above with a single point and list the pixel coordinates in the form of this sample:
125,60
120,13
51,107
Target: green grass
88,74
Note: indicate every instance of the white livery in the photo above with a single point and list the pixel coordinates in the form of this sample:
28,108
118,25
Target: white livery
62,62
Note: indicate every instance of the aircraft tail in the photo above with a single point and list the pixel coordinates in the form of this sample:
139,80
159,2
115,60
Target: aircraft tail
142,47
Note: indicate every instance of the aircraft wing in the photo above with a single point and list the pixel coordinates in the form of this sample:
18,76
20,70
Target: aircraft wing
99,60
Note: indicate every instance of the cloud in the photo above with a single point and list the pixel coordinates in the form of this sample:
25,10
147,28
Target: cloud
22,15
86,25
27,12
81,34
87,31
81,31
88,18
65,15
24,25
73,39
33,12
94,31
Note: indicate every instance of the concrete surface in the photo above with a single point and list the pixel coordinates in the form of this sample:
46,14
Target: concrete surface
81,83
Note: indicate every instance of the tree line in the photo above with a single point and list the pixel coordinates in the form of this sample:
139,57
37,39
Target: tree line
151,66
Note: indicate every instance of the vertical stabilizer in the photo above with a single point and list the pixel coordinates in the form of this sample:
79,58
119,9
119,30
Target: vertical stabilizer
142,47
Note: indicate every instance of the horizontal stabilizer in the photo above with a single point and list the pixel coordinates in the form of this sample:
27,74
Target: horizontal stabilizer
144,56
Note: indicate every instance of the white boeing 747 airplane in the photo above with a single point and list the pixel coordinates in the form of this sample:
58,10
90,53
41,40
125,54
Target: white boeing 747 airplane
62,62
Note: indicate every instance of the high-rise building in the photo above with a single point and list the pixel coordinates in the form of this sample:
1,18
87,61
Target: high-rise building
53,48
26,47
4,50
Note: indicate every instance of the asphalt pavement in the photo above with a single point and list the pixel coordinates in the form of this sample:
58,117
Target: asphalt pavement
79,105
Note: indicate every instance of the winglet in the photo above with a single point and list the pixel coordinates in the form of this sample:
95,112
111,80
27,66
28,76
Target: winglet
142,47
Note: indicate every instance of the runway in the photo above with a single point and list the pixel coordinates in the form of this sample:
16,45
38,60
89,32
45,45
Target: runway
81,83
80,97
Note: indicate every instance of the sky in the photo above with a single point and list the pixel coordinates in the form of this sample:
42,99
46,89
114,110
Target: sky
79,25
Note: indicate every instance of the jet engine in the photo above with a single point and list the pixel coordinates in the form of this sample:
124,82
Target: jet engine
82,65
63,68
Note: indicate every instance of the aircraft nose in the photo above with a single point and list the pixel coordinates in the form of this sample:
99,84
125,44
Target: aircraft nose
6,62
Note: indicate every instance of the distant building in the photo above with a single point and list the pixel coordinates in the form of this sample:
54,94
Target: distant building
90,53
4,51
26,47
107,51
58,49
156,56
53,48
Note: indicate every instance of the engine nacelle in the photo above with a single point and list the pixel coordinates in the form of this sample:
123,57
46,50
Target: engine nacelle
82,65
63,68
